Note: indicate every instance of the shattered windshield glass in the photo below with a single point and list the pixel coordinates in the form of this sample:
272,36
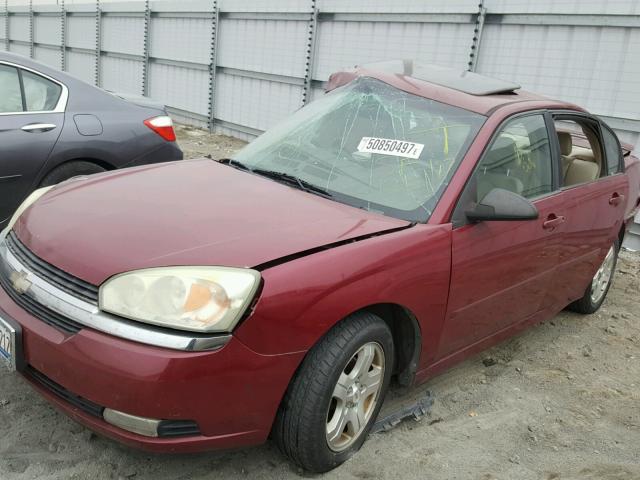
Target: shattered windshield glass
371,146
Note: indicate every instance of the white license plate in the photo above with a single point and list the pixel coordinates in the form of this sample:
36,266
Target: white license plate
7,345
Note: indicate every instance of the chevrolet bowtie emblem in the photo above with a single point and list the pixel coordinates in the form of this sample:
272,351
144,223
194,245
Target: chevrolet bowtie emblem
19,282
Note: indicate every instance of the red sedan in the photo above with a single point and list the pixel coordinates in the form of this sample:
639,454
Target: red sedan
410,218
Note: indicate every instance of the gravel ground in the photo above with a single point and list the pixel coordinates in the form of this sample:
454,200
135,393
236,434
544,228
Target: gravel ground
560,401
196,142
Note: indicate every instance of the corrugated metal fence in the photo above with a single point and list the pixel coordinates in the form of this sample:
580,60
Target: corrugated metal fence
238,66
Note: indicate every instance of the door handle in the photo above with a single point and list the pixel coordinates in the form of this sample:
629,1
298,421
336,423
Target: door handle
616,199
553,221
38,127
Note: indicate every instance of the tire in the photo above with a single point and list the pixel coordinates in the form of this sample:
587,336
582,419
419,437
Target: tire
597,291
301,425
69,170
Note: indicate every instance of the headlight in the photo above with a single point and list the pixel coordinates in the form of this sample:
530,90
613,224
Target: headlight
199,299
30,200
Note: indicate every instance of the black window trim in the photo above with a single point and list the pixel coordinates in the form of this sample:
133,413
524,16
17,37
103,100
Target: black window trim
22,94
620,171
597,123
556,168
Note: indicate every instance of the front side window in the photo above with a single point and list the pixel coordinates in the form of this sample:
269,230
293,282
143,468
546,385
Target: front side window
10,94
40,94
612,151
519,160
372,146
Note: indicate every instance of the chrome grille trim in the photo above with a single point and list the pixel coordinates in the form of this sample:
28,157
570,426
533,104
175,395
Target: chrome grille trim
39,311
55,276
86,314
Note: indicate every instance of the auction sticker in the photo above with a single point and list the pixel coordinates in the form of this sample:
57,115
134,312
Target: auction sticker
389,146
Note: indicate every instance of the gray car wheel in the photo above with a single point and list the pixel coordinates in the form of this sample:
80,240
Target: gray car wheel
69,170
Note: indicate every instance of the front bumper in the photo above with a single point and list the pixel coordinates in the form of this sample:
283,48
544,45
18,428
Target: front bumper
232,394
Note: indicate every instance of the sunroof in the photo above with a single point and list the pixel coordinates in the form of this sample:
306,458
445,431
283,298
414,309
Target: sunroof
461,80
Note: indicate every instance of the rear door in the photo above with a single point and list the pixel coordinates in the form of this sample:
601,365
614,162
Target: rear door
596,191
501,270
31,119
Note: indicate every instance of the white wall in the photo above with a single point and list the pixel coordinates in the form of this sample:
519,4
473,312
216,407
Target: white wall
587,51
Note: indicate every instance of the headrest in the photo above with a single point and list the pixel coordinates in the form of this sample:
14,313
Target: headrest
566,143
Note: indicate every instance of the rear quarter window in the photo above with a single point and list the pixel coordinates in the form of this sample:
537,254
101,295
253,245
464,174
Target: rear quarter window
40,94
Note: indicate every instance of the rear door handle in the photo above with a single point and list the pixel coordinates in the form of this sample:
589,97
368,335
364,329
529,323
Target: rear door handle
553,221
616,199
38,127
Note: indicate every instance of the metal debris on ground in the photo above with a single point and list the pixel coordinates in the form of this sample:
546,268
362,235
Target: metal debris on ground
416,411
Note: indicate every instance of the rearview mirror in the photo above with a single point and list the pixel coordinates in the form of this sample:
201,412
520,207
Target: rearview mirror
502,205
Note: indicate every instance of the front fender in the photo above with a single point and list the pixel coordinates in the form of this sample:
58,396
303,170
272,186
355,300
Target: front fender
302,299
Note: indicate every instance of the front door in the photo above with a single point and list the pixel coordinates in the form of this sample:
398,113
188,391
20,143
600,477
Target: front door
501,270
30,124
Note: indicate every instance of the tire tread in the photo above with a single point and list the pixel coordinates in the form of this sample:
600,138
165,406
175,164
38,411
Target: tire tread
584,304
69,170
292,430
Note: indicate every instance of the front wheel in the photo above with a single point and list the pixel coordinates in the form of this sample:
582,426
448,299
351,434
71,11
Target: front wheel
335,397
597,290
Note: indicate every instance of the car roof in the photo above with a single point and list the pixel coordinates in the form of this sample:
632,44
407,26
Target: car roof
83,92
26,62
460,88
69,80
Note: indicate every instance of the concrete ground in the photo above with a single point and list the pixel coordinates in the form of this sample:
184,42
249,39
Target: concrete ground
560,401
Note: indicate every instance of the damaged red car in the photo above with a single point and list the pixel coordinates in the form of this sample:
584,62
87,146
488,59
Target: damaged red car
406,220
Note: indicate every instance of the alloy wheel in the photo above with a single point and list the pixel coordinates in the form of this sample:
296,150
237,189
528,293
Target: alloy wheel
602,277
355,396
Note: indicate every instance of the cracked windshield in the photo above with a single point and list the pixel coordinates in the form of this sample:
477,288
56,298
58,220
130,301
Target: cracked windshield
368,145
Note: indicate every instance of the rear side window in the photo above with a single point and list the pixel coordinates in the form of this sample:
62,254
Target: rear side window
612,150
10,95
581,149
40,94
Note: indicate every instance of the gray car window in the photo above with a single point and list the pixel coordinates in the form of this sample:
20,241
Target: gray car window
10,96
40,94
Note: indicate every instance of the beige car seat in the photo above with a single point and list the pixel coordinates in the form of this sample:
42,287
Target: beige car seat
566,145
575,170
581,171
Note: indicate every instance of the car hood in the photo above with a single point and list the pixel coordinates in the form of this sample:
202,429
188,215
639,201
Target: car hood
194,212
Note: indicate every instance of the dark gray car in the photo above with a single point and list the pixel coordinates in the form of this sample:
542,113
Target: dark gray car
54,127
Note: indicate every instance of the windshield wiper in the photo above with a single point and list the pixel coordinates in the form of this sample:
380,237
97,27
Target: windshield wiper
233,163
278,176
291,180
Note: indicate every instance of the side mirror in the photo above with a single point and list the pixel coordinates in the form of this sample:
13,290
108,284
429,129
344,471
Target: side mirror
502,205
